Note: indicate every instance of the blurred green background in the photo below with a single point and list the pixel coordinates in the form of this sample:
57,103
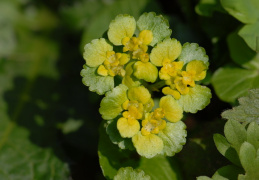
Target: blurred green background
49,120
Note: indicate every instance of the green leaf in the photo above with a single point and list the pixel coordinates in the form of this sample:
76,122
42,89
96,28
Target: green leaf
247,111
192,51
208,7
235,133
111,104
241,53
225,149
250,34
96,83
197,99
231,83
115,137
174,137
155,23
112,158
227,172
244,11
253,134
131,174
250,160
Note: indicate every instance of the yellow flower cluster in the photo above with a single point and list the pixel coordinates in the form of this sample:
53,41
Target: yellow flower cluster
146,60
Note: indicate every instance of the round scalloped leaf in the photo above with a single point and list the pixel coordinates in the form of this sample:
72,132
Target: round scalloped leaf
197,99
192,51
96,83
122,26
146,71
111,104
128,173
173,111
169,48
95,52
157,24
148,146
174,137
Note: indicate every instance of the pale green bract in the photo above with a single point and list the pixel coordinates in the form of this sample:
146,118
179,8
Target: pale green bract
192,51
98,84
122,26
157,24
128,173
174,137
197,99
111,104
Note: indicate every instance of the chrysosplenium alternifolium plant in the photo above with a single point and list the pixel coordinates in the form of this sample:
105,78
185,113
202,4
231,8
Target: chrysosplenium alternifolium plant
138,58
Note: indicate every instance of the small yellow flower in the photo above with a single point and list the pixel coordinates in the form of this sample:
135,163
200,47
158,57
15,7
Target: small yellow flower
138,102
99,53
195,71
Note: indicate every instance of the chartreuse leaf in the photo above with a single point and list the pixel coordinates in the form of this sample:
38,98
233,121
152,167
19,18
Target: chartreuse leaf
231,83
96,83
250,34
249,158
111,104
146,71
167,49
155,23
122,26
174,137
197,99
235,133
128,173
226,149
244,11
112,158
241,53
148,146
247,111
95,52
192,51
